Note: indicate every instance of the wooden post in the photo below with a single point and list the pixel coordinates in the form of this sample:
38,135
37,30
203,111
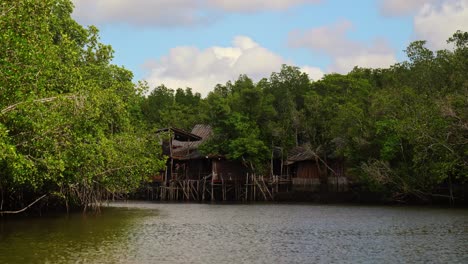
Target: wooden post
452,200
170,154
281,169
272,156
165,176
212,190
223,188
277,183
247,187
204,189
213,172
254,187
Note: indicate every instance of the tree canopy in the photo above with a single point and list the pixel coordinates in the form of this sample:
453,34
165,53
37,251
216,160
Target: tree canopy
75,127
402,131
68,125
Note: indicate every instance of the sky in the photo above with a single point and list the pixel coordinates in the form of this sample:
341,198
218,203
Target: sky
200,43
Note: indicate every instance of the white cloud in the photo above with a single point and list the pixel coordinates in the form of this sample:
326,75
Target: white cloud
403,7
314,73
344,52
366,60
203,69
257,5
171,12
433,20
436,23
139,12
327,39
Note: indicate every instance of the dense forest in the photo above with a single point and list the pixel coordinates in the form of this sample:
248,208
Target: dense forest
75,127
70,121
402,131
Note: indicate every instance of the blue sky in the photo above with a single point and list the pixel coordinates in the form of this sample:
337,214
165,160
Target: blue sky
199,43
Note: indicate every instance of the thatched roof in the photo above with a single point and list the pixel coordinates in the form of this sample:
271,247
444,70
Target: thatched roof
300,153
184,150
180,135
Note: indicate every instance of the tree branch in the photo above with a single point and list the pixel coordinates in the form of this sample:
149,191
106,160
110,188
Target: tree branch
7,11
43,100
24,209
115,169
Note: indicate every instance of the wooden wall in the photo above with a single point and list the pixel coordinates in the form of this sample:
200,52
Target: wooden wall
306,176
192,169
228,170
306,169
199,168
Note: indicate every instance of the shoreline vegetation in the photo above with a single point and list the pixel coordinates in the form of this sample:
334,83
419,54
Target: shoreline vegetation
75,128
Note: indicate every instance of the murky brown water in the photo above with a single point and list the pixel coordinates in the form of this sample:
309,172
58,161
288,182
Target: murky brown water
256,233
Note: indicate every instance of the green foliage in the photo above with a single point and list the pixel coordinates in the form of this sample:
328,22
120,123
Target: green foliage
238,139
69,121
166,108
287,89
402,131
74,125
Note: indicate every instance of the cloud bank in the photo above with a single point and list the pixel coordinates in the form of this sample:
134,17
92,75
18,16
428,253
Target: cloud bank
403,7
166,13
433,20
203,69
344,52
256,5
437,22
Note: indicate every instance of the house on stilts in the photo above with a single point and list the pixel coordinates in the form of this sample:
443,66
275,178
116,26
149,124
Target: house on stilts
194,176
311,172
190,175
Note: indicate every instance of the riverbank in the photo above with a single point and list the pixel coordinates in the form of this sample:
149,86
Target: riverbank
353,195
52,205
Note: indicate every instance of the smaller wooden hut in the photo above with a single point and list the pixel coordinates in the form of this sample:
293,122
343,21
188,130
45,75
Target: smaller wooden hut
310,172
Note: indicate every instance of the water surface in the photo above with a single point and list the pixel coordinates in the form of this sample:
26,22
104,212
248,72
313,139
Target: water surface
239,233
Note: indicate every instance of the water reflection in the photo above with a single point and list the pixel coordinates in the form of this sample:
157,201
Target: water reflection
97,238
256,233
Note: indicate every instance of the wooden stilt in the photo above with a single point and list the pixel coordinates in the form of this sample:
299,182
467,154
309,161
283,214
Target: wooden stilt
204,189
254,187
212,190
247,187
223,188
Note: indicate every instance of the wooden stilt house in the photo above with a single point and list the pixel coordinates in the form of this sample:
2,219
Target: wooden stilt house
311,172
195,174
193,165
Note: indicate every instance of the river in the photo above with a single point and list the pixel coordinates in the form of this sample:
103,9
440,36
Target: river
240,233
